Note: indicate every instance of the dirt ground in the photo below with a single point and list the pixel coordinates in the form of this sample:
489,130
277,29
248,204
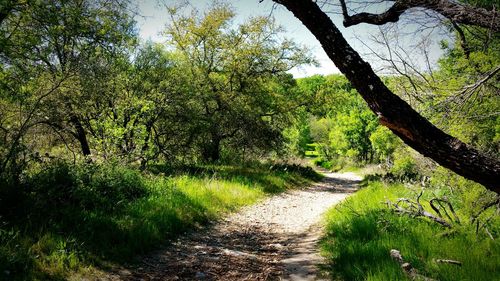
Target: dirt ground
275,239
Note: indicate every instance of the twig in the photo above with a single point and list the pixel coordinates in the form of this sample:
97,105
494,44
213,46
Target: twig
488,232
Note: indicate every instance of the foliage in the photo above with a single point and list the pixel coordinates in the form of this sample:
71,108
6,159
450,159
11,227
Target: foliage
384,143
88,113
341,125
298,136
405,166
72,72
238,89
50,50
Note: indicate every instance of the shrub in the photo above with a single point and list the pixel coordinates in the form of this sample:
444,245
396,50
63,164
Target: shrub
405,167
87,185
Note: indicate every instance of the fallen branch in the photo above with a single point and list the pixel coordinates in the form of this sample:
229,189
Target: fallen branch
415,209
443,208
486,207
407,268
449,261
489,233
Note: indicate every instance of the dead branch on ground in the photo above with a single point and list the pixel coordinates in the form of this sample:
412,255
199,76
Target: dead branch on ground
415,209
411,272
449,261
440,208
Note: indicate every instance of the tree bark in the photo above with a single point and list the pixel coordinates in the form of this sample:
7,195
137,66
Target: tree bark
392,111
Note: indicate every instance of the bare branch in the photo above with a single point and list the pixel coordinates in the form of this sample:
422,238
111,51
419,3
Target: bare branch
486,207
415,209
450,207
455,11
463,40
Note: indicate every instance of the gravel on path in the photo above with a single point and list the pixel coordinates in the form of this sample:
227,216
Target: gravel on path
275,239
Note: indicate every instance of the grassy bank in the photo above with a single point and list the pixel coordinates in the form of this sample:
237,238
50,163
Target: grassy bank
362,230
67,218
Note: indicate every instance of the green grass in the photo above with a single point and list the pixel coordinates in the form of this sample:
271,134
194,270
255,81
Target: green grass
67,219
361,231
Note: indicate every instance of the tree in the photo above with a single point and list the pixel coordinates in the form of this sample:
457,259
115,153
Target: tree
47,47
341,123
392,111
236,78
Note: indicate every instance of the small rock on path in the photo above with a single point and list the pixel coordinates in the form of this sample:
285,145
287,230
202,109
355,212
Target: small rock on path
275,239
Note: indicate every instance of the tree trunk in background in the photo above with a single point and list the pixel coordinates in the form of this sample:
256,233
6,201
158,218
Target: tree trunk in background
80,135
211,151
392,111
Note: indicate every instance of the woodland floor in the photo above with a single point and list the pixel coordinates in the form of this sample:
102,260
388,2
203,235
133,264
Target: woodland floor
275,239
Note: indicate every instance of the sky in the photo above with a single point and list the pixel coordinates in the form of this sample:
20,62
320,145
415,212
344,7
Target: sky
152,19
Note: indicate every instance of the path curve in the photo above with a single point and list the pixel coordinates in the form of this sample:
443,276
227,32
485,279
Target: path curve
275,239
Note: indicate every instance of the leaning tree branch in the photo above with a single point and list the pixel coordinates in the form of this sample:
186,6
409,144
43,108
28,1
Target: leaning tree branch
392,111
455,11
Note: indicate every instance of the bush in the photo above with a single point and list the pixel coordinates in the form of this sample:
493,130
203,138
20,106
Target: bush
384,143
321,162
405,167
87,185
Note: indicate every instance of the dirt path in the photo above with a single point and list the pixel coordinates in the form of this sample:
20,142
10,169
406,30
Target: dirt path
273,240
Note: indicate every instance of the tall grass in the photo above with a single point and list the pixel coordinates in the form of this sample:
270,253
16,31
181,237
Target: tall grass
66,218
361,231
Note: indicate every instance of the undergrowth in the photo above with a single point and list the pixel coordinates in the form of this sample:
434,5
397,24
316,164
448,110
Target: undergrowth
67,218
361,231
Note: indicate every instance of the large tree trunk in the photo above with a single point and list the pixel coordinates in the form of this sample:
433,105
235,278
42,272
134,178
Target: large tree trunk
393,112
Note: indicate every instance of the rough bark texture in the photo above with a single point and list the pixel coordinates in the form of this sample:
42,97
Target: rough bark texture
393,112
456,12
